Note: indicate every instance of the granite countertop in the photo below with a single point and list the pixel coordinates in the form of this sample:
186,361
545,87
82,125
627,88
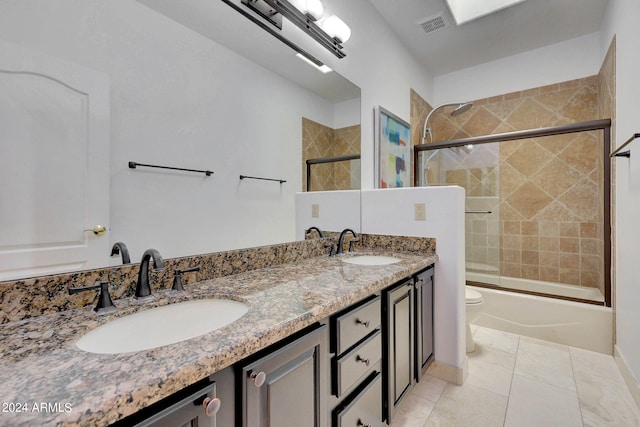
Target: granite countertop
46,380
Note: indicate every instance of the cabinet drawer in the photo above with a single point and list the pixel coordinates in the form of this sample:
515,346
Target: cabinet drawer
365,409
356,324
357,363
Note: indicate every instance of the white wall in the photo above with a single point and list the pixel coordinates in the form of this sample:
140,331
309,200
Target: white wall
569,60
621,20
337,210
390,211
384,70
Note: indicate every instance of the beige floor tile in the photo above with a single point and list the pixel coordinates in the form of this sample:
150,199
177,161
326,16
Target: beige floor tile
533,403
490,377
488,354
429,388
468,405
591,363
498,340
546,362
606,403
413,411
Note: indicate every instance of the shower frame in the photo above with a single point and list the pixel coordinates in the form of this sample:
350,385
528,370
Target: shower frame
594,125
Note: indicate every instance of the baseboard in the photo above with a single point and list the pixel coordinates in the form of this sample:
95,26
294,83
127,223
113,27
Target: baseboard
632,382
448,373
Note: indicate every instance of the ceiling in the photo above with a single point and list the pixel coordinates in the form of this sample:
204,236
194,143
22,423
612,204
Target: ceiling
523,27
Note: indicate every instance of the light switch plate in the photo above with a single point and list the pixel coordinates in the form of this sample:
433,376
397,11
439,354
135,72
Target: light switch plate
315,210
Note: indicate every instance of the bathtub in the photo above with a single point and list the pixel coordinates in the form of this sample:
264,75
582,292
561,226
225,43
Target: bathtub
580,292
576,324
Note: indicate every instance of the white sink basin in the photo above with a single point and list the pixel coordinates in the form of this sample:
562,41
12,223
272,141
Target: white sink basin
372,260
160,326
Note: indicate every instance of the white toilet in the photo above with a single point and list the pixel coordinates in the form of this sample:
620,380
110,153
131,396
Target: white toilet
472,303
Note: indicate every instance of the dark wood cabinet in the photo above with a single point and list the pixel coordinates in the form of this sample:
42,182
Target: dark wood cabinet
399,340
286,386
424,321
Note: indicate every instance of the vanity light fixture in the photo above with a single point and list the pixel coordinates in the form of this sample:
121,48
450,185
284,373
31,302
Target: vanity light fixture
336,28
330,32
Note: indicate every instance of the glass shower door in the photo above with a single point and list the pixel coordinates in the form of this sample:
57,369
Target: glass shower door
475,168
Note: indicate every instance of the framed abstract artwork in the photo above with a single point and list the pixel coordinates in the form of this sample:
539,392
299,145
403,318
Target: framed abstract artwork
393,150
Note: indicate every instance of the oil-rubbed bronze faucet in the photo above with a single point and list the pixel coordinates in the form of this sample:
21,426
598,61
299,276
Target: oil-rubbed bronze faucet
351,242
119,248
105,305
142,287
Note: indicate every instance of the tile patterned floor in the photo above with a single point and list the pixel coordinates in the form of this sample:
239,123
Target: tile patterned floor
516,381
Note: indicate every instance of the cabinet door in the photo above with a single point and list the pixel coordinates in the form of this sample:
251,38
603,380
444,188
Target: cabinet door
424,321
288,386
399,344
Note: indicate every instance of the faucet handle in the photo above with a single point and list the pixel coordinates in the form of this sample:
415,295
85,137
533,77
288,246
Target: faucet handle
177,280
351,242
332,248
105,304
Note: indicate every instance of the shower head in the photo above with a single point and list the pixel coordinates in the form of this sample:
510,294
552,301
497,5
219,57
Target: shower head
461,107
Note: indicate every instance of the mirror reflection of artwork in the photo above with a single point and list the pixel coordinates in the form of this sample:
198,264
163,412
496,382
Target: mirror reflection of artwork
394,150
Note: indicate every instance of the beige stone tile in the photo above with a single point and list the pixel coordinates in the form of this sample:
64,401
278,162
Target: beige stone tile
549,229
541,361
569,245
549,244
536,403
531,243
511,227
529,200
604,397
569,229
529,159
489,376
468,405
413,411
530,228
549,274
589,229
530,257
531,272
570,276
431,387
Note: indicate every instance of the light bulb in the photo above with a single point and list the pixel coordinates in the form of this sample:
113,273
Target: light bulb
336,28
315,9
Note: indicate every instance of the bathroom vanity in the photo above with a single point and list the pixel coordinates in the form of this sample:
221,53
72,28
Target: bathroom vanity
311,346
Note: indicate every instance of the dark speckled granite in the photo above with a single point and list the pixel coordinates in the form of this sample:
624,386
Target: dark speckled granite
39,362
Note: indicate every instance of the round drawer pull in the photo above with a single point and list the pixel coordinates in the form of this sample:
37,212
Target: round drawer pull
211,406
362,359
362,424
360,322
258,378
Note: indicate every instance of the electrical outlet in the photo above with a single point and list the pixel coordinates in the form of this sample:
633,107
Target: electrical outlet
315,210
420,211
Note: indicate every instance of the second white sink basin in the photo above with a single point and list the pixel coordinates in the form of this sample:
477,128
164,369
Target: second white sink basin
372,260
161,326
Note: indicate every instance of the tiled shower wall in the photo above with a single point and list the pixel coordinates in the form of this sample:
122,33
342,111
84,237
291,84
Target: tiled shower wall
549,189
320,141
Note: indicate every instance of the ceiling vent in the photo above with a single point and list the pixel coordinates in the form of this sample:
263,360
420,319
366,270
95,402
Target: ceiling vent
434,23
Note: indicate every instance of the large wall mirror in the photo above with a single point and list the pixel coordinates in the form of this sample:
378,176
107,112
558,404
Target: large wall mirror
87,86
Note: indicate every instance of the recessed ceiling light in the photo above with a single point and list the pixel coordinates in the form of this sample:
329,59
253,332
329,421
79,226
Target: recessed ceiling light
464,11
